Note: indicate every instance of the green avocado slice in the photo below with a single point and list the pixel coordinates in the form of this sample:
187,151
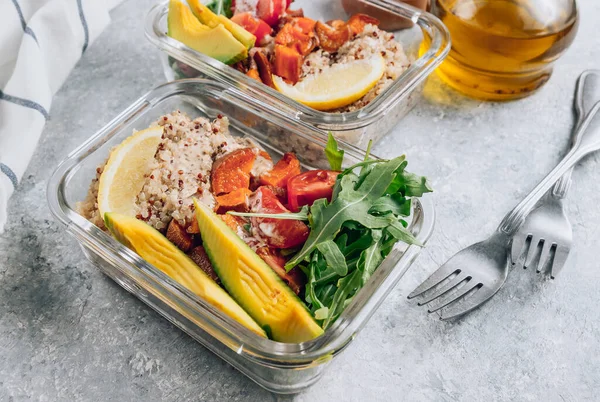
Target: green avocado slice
216,42
253,284
210,19
157,250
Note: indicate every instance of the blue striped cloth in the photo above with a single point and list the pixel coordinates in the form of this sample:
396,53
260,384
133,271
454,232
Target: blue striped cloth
40,42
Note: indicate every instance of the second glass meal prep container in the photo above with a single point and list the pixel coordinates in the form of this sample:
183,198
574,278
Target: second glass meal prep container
427,43
278,367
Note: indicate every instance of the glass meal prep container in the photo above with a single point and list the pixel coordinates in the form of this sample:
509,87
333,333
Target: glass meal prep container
427,43
278,367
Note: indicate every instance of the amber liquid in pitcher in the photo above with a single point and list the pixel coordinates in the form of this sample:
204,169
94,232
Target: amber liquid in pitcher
504,49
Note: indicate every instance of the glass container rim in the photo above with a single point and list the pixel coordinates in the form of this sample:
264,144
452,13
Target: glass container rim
365,116
263,351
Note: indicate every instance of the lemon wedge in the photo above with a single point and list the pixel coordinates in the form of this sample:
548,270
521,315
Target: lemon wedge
335,87
124,174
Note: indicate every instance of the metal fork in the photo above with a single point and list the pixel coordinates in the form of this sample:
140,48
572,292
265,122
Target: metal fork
476,273
547,227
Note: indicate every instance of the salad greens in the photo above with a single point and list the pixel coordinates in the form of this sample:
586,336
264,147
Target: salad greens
351,235
221,7
333,154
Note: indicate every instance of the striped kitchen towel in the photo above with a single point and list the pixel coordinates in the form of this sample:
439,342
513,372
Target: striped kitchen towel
40,42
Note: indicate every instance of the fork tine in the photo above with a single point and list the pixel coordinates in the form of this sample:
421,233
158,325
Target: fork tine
449,297
517,246
438,276
457,280
467,303
533,248
560,257
547,246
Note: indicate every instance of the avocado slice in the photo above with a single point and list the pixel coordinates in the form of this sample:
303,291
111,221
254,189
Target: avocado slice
164,255
216,42
253,284
210,19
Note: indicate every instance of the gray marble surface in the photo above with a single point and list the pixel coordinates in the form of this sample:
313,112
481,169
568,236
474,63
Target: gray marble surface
69,333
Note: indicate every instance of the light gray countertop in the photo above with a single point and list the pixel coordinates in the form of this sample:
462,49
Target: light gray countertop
69,333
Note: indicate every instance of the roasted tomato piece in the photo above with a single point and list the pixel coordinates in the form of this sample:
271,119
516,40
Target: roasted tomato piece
232,171
358,22
330,38
287,63
237,200
278,233
256,27
307,187
295,279
270,10
287,167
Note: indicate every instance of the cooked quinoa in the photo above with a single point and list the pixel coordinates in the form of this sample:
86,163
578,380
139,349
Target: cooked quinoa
370,42
180,171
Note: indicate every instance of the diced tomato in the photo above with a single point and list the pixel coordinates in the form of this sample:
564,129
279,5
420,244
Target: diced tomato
307,187
270,10
255,26
278,233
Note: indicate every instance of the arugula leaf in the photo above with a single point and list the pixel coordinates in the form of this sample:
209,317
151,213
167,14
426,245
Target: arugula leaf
221,7
347,286
351,204
334,155
392,203
370,258
416,186
399,232
409,184
334,257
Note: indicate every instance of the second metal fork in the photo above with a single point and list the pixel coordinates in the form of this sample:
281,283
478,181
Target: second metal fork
546,235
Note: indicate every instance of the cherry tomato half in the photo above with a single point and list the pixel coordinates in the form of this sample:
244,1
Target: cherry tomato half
270,10
256,27
307,187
